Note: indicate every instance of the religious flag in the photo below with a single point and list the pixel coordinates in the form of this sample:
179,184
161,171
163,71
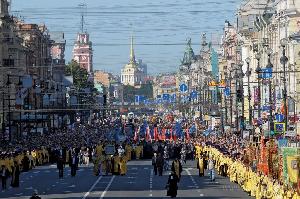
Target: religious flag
293,168
148,136
193,129
136,135
143,128
174,137
117,134
178,130
163,134
187,133
171,134
156,136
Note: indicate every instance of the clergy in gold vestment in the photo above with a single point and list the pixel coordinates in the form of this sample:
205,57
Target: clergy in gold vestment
200,165
177,168
123,165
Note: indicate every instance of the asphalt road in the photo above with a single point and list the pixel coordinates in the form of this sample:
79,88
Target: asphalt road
138,183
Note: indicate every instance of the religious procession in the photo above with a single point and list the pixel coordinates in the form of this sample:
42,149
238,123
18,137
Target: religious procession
264,169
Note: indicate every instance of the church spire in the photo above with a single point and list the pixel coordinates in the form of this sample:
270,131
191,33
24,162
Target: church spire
132,55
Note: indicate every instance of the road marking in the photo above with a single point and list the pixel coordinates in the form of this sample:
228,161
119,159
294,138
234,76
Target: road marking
109,184
88,193
193,180
150,182
131,177
201,195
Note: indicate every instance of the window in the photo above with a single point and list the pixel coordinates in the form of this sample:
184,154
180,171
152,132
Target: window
8,62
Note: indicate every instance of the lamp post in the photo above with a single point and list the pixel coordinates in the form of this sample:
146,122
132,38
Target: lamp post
9,115
231,103
248,73
236,76
258,71
270,65
283,61
241,92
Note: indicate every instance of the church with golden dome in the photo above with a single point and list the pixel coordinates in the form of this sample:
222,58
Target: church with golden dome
133,73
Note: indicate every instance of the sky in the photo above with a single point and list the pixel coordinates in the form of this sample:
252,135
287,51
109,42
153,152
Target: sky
160,27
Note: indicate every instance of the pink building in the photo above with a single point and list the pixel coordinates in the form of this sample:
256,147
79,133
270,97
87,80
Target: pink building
83,52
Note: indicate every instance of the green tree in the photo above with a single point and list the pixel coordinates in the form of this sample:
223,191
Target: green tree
80,75
129,93
146,90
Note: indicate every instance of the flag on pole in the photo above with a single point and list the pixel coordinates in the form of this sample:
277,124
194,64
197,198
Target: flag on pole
136,137
148,136
163,134
156,134
187,132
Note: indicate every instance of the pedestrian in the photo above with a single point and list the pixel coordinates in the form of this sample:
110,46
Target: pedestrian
172,186
211,169
166,160
15,175
160,164
123,166
25,162
4,176
60,167
154,163
73,165
200,165
177,168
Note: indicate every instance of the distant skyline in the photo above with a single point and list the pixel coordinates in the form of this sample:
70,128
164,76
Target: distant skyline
160,27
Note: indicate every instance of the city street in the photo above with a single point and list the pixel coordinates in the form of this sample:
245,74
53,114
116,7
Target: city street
138,183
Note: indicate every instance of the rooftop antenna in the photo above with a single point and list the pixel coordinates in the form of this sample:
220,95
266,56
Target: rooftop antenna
83,7
9,6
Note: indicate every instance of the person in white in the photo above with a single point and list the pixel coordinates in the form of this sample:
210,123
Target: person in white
121,151
86,157
211,169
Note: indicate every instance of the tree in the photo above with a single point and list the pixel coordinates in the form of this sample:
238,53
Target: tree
129,93
80,75
146,90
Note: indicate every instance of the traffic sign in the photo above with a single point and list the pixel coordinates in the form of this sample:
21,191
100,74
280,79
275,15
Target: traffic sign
183,88
266,73
227,91
279,117
194,94
166,97
279,127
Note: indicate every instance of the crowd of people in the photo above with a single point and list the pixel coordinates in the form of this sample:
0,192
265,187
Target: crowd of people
158,138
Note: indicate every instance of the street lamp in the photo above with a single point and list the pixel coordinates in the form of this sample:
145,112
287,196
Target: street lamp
269,52
241,91
236,76
283,61
258,71
248,74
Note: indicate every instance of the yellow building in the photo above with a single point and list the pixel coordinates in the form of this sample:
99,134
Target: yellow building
132,74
